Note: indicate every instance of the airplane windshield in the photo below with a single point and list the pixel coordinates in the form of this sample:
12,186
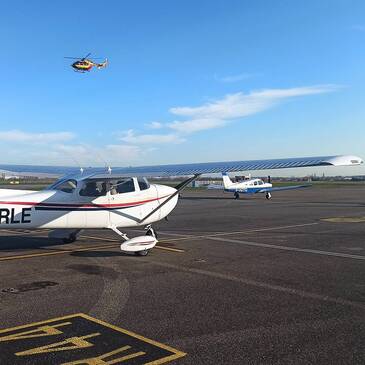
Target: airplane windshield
67,186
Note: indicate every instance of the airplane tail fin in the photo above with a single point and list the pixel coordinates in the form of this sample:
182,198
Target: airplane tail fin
227,182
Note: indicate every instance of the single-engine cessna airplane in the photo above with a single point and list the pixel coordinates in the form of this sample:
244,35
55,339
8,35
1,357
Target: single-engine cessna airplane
254,186
121,198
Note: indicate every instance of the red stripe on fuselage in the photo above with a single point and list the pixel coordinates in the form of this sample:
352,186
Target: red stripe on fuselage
61,205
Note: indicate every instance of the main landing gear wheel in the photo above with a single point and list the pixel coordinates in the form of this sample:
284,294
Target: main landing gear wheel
236,195
142,253
268,196
70,239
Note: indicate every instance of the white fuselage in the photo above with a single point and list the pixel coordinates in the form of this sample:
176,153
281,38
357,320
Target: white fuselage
251,186
59,209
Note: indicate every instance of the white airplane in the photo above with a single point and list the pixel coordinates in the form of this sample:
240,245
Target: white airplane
254,186
121,198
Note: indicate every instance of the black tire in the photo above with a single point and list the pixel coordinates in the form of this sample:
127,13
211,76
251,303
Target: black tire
236,195
141,253
71,239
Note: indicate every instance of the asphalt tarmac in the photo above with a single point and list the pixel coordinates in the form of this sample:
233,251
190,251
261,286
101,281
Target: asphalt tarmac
246,281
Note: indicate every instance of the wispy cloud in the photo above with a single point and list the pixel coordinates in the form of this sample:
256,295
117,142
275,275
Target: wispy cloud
154,125
235,78
138,139
220,112
21,136
196,125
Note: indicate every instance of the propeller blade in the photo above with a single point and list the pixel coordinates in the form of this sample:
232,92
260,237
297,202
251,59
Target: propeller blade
269,179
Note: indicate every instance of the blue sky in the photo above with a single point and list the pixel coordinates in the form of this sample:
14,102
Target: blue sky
188,81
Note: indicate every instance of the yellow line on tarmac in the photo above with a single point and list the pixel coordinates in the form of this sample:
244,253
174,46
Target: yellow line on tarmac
115,240
17,257
61,252
239,232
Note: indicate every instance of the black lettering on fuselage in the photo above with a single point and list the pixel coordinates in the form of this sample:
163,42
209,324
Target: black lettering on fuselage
12,217
8,216
26,214
4,215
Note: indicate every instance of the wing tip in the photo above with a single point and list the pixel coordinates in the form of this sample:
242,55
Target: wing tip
343,160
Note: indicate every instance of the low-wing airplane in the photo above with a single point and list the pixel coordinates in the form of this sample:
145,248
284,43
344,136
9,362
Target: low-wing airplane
254,186
121,198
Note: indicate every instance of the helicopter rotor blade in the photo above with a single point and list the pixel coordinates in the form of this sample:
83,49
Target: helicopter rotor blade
86,56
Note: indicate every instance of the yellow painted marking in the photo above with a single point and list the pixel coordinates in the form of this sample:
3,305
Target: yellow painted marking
75,343
42,331
176,353
18,257
344,220
239,232
99,360
115,240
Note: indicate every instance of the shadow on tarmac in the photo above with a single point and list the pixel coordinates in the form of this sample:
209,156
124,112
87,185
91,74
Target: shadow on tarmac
99,254
23,242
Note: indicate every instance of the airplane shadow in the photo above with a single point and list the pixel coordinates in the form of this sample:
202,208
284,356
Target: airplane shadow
99,254
207,198
23,242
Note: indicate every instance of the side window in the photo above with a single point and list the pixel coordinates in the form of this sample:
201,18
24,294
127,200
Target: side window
124,186
67,186
143,183
94,188
255,183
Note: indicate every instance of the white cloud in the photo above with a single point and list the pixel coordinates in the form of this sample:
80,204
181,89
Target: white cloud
138,139
154,125
233,106
196,125
20,136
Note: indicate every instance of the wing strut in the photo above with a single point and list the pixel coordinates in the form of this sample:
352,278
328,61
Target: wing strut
178,188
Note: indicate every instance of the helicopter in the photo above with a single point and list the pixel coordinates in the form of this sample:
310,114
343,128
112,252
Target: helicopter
84,64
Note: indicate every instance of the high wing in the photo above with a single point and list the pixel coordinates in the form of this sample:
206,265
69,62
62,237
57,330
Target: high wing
193,168
281,188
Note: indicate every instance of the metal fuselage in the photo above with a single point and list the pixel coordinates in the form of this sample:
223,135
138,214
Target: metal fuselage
251,186
63,210
87,65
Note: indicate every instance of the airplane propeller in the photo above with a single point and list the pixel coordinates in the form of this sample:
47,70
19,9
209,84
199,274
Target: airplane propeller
269,179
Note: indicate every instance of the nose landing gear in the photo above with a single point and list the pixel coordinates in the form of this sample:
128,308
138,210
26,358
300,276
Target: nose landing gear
140,245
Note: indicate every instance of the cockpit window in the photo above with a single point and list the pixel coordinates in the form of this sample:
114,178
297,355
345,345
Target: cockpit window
94,188
260,182
143,183
122,186
67,186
